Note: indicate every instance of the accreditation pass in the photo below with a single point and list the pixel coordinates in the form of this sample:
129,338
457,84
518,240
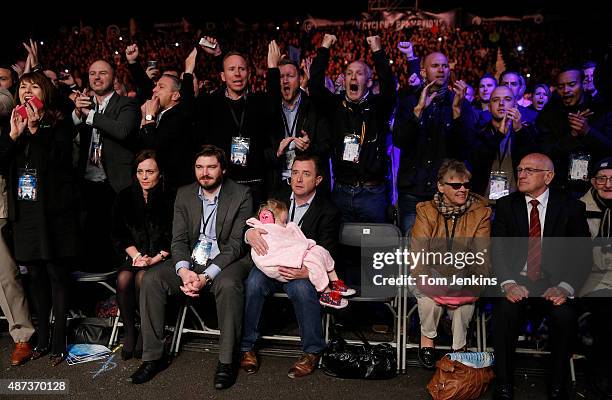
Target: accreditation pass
33,386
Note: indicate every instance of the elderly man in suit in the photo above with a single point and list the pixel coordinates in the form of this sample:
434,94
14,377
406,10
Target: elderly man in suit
537,271
105,121
207,251
319,219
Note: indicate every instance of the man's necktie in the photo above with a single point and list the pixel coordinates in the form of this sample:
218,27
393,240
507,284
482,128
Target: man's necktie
534,249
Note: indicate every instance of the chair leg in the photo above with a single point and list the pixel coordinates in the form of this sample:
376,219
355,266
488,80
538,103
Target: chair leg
327,318
483,321
200,320
179,330
572,370
114,338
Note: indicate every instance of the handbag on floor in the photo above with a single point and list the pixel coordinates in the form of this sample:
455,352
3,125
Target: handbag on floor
454,380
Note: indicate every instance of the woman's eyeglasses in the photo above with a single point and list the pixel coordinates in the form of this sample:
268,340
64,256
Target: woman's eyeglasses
457,185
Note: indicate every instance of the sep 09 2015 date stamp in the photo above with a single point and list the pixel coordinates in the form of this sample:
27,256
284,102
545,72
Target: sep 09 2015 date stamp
33,386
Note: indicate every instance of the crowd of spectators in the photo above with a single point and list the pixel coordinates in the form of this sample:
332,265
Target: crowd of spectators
471,51
103,130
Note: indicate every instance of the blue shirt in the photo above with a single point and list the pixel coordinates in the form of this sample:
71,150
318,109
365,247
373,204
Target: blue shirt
208,230
296,213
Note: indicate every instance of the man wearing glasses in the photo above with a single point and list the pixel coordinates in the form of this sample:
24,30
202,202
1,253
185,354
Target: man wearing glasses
596,294
537,272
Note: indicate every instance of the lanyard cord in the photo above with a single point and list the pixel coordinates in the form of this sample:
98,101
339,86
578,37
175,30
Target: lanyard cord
240,123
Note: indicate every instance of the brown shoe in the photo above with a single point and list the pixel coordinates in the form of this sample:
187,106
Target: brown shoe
21,354
249,363
304,366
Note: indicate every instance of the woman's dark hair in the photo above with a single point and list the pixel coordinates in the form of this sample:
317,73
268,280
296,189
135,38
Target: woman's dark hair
144,155
50,96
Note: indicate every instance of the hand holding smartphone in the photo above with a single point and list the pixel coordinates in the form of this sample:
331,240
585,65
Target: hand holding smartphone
34,102
207,43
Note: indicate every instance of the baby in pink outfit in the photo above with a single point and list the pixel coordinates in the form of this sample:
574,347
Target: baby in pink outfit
288,247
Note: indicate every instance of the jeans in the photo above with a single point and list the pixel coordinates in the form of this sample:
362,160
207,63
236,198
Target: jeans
305,302
361,203
406,204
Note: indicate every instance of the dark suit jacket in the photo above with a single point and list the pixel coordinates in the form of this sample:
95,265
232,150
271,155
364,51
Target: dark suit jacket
321,223
214,124
119,122
565,218
235,207
484,149
172,140
558,143
309,120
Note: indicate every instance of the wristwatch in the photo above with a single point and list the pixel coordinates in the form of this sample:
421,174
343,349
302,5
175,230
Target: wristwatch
148,117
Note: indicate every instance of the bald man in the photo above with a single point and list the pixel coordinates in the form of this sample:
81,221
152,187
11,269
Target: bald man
497,148
429,127
359,121
106,121
536,272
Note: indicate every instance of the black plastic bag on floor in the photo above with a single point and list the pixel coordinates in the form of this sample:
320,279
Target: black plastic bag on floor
359,361
90,330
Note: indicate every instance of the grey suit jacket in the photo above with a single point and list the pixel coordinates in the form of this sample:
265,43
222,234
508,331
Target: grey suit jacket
235,207
117,125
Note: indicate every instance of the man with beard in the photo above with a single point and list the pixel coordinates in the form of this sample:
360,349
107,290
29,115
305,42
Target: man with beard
234,120
105,123
298,127
498,147
207,251
574,131
429,127
359,122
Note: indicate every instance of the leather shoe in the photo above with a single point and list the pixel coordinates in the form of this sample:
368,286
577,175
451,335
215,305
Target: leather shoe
21,354
148,370
503,392
38,352
58,358
558,393
249,363
427,357
225,376
304,366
